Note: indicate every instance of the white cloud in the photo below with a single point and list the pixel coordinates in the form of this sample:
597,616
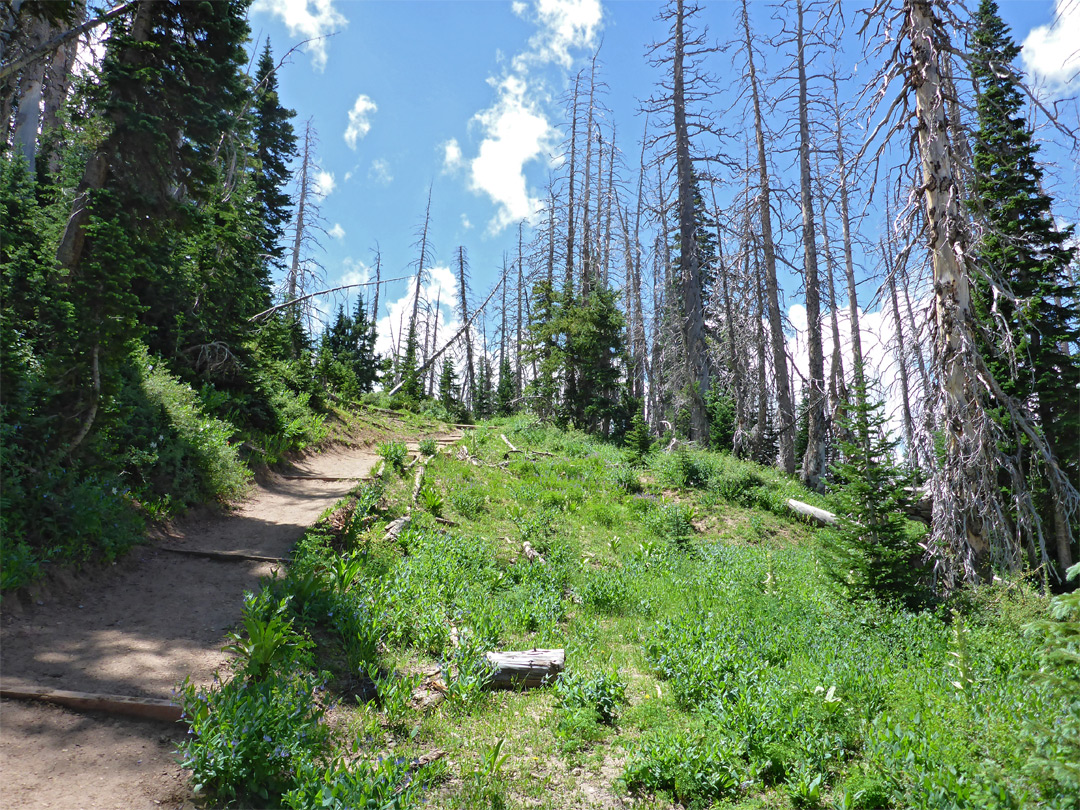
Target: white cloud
380,172
465,223
564,26
337,231
356,272
1052,52
359,120
324,184
516,132
452,157
441,285
311,19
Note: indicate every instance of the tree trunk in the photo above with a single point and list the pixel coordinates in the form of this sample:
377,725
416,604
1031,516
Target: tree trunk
813,462
693,323
786,411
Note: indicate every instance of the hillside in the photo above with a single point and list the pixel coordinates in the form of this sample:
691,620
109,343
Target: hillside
708,658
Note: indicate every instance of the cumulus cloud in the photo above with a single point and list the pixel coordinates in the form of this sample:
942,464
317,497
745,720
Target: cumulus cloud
452,156
465,223
441,285
337,231
1052,52
359,120
313,20
324,184
356,272
877,333
564,26
516,132
380,172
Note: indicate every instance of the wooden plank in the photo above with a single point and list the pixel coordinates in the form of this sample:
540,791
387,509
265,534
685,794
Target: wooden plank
224,556
146,708
525,669
321,478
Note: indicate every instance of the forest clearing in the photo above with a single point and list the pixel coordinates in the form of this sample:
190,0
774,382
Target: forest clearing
729,454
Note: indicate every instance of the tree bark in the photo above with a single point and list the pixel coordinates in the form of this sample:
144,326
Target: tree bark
786,411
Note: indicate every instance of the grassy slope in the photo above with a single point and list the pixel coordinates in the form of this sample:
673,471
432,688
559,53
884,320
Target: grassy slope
691,608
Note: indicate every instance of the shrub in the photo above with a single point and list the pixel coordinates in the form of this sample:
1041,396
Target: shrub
429,447
394,455
603,693
691,770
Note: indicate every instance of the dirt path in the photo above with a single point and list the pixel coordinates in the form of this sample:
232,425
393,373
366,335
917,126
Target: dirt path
138,629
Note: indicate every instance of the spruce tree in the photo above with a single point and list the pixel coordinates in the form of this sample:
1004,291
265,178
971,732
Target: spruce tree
1023,252
275,147
448,387
504,391
870,552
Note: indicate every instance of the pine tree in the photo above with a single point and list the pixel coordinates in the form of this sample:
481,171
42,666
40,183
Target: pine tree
870,552
483,405
1023,251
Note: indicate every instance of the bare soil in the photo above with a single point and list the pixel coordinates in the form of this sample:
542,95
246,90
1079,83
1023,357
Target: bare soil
139,628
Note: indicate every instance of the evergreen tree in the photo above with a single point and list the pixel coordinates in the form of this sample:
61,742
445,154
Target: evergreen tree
869,552
448,387
504,392
484,401
275,147
1022,250
412,385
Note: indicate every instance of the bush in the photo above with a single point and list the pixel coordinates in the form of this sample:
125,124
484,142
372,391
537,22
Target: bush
394,455
601,692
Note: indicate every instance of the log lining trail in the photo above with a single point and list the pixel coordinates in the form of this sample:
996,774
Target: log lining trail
137,629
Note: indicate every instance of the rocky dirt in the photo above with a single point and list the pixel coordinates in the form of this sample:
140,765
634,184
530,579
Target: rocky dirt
138,628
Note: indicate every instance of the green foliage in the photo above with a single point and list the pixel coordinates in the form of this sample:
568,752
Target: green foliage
720,408
394,455
269,643
638,439
428,447
505,391
1055,759
601,692
871,552
688,769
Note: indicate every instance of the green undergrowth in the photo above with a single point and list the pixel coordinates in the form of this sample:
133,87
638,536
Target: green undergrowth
708,659
159,444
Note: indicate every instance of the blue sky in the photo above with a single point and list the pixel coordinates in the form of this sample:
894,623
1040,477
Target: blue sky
466,96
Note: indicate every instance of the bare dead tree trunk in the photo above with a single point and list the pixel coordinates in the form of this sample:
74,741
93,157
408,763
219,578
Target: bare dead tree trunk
837,384
422,263
786,411
520,294
849,255
463,303
901,357
570,193
813,462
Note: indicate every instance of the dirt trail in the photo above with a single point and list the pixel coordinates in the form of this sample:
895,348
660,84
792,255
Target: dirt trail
138,629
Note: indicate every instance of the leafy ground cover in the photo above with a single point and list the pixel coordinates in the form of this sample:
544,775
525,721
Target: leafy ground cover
710,659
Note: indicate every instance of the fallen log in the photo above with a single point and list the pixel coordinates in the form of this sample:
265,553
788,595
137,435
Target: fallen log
396,527
525,669
822,516
507,441
146,708
224,556
418,483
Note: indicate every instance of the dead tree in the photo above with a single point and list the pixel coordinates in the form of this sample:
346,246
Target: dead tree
786,410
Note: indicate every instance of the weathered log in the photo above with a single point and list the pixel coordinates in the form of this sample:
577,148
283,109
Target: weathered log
147,708
396,527
418,483
224,556
822,516
525,669
507,441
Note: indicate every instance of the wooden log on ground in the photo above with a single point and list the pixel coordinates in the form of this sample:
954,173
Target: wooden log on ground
146,708
525,669
507,441
419,482
396,527
823,517
223,556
